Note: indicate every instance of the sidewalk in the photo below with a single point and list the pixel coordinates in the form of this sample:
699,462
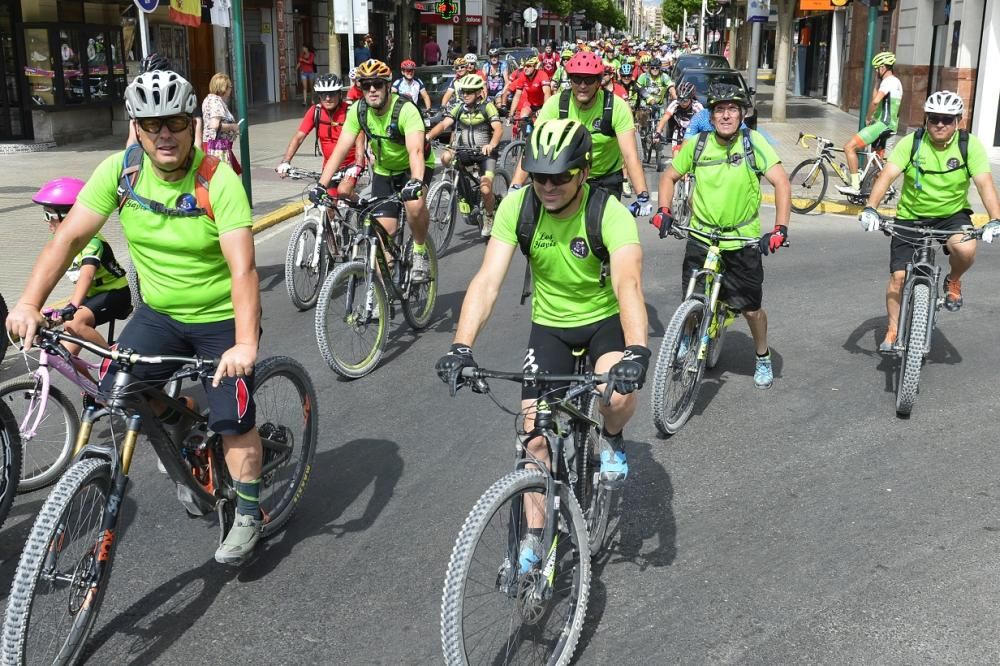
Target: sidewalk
813,116
24,233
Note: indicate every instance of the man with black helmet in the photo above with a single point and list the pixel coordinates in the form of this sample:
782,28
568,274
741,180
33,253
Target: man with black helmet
728,164
573,305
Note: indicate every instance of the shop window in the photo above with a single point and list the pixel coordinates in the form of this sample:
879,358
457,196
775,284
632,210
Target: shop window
74,66
69,51
40,69
98,65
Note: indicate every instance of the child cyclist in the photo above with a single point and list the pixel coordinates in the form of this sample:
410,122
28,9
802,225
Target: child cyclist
101,293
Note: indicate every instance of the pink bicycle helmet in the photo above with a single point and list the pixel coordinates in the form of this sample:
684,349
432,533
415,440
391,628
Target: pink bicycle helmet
585,63
60,193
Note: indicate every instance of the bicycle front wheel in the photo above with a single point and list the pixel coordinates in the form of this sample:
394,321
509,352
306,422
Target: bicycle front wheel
352,321
48,448
304,267
10,461
678,369
418,306
510,156
493,614
808,181
442,207
715,344
287,421
913,352
595,497
56,594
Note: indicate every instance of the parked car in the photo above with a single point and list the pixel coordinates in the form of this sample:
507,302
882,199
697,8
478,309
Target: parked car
697,61
436,80
703,78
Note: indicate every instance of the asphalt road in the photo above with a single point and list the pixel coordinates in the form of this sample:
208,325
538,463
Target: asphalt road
803,524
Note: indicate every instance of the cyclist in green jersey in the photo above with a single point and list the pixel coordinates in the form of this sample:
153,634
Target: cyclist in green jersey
935,194
727,197
194,254
655,85
571,307
478,126
883,118
401,164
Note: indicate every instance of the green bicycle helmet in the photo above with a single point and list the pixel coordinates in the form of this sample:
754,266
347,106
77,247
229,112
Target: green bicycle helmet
556,146
887,58
726,92
470,83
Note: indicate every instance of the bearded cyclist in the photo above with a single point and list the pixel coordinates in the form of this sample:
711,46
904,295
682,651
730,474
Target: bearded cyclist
935,195
572,306
478,126
678,114
727,198
199,280
613,146
400,163
883,118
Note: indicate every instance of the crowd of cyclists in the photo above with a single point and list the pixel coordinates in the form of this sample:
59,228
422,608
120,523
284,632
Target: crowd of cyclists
565,212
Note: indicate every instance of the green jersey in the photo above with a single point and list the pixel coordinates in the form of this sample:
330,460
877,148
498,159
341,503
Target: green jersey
726,193
930,195
888,111
391,158
559,81
109,275
660,86
474,125
179,261
566,273
607,154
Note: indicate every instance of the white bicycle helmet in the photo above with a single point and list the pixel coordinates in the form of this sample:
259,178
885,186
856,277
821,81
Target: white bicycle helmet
470,58
944,102
328,83
158,94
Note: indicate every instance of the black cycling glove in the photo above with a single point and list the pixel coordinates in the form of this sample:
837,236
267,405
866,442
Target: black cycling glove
629,374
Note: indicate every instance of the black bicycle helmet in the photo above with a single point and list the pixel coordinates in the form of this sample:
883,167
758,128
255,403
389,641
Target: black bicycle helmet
726,92
686,90
154,62
556,146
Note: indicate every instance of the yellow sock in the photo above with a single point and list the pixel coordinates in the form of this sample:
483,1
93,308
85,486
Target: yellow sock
856,180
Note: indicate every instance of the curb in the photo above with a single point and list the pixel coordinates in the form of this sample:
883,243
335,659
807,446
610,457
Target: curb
833,208
274,217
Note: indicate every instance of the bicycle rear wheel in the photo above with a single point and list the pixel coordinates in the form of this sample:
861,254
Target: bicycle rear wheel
47,453
352,321
55,596
442,206
302,277
418,306
510,156
287,422
913,352
493,614
677,377
10,461
808,181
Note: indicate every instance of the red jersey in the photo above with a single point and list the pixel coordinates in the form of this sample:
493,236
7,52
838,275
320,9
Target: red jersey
620,91
532,91
329,129
549,57
354,94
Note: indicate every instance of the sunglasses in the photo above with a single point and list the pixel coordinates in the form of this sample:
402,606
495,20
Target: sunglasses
935,119
329,95
51,217
557,179
583,80
174,124
373,84
408,71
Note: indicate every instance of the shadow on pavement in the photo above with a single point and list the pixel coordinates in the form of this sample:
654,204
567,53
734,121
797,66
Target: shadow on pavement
345,473
271,277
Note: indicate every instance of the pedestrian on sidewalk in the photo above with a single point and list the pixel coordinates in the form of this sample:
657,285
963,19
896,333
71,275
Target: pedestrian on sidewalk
221,128
363,53
432,52
307,72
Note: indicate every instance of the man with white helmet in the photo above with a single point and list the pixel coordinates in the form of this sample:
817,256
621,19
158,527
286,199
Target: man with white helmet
882,118
937,162
187,222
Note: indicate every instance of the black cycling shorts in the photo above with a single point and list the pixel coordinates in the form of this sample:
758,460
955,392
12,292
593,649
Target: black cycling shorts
613,182
115,304
231,406
742,277
901,248
550,349
383,186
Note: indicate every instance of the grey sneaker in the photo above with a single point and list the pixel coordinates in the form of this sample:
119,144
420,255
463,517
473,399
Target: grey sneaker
420,271
240,542
487,226
763,375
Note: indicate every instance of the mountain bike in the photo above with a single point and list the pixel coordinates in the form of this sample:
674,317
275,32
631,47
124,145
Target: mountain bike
510,156
490,611
316,243
650,147
809,178
918,307
10,460
695,334
66,563
360,296
457,192
680,206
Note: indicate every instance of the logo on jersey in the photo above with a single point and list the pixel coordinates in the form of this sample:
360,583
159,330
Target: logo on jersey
578,247
736,159
597,125
953,163
187,201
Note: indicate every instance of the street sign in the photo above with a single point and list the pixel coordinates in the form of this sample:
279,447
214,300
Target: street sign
530,26
147,5
758,11
343,10
530,15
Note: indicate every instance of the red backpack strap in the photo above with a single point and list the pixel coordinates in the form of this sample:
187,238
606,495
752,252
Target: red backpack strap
202,180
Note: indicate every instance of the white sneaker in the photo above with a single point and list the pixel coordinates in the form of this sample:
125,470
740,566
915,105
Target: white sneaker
487,226
848,190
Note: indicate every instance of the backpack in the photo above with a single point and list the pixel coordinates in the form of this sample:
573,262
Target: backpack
748,154
132,165
963,148
316,123
609,105
527,222
394,133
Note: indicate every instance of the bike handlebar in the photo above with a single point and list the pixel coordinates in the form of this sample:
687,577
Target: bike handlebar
296,173
715,235
54,337
536,377
889,226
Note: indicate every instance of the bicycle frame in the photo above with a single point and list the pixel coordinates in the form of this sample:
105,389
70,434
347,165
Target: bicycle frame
374,236
825,150
75,370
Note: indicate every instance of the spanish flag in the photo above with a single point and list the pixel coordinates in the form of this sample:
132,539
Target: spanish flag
186,12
